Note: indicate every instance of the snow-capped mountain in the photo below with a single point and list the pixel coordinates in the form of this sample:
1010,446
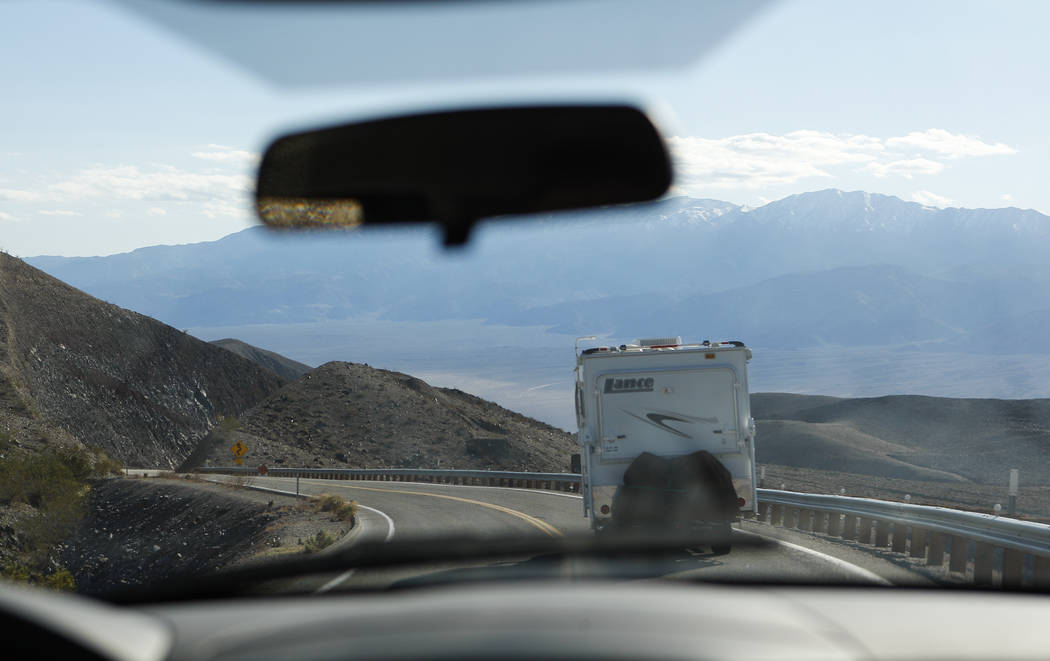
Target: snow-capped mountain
852,259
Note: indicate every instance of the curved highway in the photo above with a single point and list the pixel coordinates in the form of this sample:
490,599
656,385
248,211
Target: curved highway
407,510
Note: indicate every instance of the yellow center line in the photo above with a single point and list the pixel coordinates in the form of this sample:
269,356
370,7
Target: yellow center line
539,523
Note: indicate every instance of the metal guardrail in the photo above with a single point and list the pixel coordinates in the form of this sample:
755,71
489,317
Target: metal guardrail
987,549
984,548
569,482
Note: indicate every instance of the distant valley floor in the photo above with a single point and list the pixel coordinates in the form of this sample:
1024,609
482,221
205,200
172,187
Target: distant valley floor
529,370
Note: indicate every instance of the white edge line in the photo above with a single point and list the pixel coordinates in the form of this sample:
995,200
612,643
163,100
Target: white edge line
389,521
546,492
849,567
334,582
350,572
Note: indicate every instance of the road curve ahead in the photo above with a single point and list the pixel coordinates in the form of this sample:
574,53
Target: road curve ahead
417,511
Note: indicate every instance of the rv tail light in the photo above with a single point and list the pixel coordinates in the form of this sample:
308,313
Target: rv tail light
605,509
740,502
709,356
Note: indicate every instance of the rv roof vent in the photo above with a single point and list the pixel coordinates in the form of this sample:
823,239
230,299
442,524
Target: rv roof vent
660,341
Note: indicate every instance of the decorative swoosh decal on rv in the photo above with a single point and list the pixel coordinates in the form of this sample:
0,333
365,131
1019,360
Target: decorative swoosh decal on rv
658,419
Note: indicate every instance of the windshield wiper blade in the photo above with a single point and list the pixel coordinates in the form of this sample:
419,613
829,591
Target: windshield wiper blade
643,545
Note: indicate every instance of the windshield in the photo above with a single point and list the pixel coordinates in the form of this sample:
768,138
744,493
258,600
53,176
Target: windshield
829,325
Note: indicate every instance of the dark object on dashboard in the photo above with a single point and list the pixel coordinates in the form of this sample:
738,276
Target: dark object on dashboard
457,167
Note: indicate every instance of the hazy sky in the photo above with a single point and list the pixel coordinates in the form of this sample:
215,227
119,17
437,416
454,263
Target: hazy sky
115,133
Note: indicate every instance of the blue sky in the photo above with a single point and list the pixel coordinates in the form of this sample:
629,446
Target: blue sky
116,133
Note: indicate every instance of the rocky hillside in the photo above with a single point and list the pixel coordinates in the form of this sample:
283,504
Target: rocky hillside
908,437
142,391
284,367
345,414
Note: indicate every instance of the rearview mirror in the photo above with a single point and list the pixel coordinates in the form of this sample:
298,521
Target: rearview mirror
458,167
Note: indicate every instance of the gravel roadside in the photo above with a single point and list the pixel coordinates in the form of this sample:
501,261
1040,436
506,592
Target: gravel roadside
144,530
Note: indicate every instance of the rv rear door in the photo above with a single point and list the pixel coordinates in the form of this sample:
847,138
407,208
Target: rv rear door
667,412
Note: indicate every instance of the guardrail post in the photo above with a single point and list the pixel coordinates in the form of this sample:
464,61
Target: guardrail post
777,515
1041,567
805,520
834,528
960,555
820,518
763,511
983,564
864,531
918,543
849,527
935,549
882,533
900,538
791,517
1013,568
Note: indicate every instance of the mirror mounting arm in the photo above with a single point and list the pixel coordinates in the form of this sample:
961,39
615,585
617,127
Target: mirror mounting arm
457,231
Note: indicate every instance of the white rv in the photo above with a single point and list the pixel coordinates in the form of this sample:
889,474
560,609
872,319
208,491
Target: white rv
668,399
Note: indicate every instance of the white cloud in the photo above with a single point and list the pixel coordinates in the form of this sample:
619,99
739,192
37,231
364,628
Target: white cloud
16,195
223,208
224,154
155,211
1006,197
58,212
756,160
162,184
929,199
949,145
906,168
6,217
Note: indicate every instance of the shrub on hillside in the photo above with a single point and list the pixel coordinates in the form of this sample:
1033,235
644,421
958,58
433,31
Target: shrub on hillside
39,479
321,540
228,424
341,509
58,579
54,483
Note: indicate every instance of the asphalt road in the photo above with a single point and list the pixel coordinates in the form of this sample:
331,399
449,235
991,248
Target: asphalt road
415,511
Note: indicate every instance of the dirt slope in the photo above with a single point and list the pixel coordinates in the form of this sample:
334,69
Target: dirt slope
284,367
345,414
907,436
141,532
142,391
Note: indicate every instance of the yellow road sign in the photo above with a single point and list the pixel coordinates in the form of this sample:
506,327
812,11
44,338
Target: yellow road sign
239,449
238,461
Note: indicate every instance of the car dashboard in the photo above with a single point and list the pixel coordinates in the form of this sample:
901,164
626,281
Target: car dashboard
551,620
